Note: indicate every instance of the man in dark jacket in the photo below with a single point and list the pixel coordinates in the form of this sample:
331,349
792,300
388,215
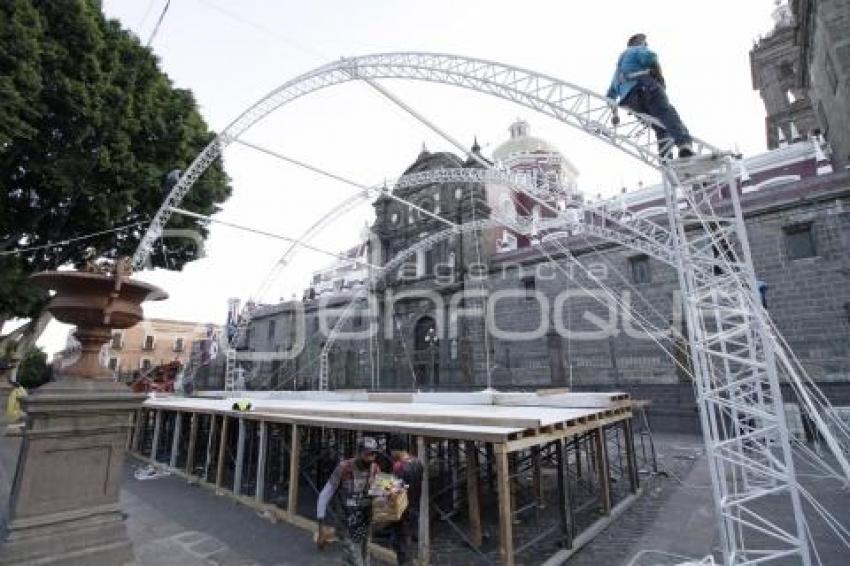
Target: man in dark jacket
348,490
639,86
409,470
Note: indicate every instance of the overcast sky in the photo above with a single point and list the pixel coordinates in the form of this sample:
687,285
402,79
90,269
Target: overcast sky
232,52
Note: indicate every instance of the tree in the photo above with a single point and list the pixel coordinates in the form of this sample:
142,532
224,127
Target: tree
89,129
34,371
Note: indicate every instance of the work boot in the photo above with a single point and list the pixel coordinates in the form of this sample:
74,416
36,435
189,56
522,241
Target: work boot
685,150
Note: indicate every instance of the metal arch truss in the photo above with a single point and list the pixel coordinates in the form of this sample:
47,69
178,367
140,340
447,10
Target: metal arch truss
573,105
733,350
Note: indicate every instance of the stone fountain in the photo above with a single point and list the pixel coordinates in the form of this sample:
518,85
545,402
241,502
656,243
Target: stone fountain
64,503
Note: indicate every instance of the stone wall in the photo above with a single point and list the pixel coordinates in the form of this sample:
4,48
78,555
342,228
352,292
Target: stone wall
823,33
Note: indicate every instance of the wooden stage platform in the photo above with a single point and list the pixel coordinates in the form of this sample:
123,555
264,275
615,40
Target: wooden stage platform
509,476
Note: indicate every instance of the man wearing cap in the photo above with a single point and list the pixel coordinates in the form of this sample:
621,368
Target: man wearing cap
409,469
639,86
348,489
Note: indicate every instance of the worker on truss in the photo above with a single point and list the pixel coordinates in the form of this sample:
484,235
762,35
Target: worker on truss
639,86
348,490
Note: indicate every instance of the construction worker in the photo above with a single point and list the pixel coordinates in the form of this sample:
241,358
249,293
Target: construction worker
348,489
409,469
639,86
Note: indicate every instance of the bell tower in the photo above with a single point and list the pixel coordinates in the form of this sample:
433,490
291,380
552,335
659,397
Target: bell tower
775,63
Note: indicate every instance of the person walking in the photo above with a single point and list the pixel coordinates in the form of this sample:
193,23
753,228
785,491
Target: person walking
348,491
639,85
409,469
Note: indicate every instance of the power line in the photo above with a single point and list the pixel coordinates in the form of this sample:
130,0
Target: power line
268,31
158,23
146,14
72,240
301,243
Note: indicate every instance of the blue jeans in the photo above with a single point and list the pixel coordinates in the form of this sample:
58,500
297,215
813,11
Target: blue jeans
649,97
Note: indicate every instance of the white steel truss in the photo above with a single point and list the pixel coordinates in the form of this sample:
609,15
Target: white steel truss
733,348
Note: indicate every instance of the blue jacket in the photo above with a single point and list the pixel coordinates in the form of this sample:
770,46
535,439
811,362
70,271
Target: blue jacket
633,59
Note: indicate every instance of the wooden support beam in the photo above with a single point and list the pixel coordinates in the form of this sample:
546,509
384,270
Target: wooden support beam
136,432
424,503
294,465
565,509
210,444
193,442
578,443
240,458
175,439
260,493
222,451
602,470
157,430
547,437
506,534
454,464
472,494
137,429
631,457
537,477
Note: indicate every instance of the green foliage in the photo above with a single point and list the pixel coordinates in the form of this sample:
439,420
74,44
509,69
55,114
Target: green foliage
33,370
89,128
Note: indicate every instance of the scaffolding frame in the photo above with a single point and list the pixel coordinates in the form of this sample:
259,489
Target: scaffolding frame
485,493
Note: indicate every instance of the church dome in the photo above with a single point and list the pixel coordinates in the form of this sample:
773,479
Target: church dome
522,144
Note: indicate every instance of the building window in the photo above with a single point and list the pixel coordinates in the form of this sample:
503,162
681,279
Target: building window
800,241
145,364
272,324
178,344
148,343
639,266
117,340
530,286
113,364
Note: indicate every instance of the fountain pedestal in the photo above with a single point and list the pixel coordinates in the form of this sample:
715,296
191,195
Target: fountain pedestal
64,503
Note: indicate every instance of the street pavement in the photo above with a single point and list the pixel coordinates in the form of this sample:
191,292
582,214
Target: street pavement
174,523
